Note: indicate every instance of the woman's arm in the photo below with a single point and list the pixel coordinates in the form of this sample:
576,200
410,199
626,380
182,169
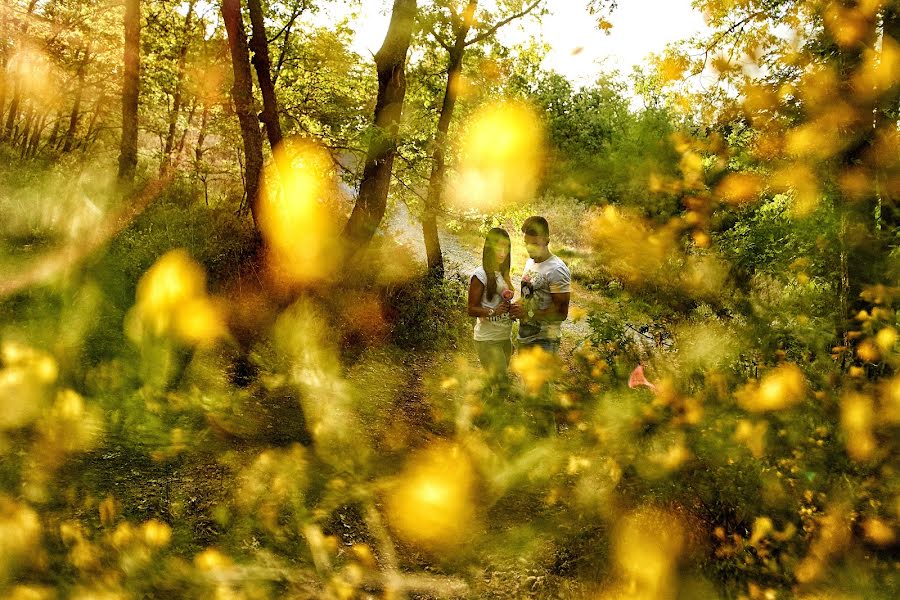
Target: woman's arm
474,308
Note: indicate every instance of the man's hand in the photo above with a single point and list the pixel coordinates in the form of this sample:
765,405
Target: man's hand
516,310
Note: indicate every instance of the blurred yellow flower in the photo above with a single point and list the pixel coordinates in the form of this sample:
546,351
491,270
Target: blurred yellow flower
739,188
535,366
857,418
156,533
432,503
752,435
172,299
502,150
878,532
648,543
886,339
781,388
297,214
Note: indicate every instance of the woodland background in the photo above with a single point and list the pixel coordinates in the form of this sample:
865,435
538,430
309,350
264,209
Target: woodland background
234,357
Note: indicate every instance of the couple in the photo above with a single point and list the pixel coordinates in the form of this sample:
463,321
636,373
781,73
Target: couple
541,308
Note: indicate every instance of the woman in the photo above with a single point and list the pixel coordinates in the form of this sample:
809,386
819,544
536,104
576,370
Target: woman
490,292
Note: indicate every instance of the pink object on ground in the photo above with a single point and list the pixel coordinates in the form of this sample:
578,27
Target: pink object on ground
637,378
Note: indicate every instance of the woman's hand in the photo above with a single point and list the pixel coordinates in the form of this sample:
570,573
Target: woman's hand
502,309
516,310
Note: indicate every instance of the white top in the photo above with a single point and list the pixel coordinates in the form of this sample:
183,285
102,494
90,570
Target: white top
492,329
539,280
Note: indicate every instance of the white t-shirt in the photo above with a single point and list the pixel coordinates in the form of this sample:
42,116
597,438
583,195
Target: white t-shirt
539,280
492,329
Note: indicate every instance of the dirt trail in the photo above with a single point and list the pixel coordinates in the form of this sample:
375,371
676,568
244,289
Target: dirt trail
462,259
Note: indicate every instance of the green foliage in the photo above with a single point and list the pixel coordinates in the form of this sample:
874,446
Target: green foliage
426,315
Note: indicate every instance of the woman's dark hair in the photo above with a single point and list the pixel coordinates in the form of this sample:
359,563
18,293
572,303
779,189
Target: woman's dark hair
488,260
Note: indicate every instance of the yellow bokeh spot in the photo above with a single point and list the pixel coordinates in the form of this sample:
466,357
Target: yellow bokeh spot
648,543
174,278
762,527
890,400
297,213
857,417
211,560
630,247
886,339
156,533
878,532
200,321
868,352
432,504
25,384
738,188
781,388
502,152
752,435
535,366
20,532
172,299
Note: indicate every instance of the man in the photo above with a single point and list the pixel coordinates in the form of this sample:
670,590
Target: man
546,289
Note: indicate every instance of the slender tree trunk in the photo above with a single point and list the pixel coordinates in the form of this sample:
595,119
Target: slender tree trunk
298,8
92,128
75,116
434,199
54,133
26,129
4,27
36,136
390,62
242,94
130,93
885,118
179,152
17,88
201,135
179,88
857,218
260,47
13,110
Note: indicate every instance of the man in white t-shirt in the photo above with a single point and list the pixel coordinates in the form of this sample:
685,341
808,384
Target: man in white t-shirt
546,290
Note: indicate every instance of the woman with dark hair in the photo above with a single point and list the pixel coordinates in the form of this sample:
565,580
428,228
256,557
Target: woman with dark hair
490,292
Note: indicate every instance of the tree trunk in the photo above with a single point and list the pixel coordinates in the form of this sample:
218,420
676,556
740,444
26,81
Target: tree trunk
260,47
26,130
54,133
179,85
92,128
242,94
434,199
75,115
298,8
885,118
4,26
130,93
857,218
390,61
17,88
36,136
179,152
201,135
13,110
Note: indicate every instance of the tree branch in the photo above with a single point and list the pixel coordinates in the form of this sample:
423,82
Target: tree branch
438,38
493,29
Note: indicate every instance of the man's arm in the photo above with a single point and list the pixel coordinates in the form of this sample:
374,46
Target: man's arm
557,311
